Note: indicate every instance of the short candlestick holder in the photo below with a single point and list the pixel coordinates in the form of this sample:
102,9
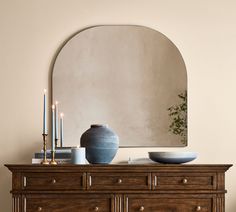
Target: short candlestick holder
45,161
53,161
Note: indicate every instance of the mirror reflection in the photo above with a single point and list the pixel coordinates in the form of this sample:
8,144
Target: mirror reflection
132,78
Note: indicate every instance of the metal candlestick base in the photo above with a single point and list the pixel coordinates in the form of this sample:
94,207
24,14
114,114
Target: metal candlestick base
53,162
45,161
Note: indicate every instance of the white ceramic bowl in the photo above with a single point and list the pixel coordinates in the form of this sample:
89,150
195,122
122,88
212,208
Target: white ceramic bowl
172,157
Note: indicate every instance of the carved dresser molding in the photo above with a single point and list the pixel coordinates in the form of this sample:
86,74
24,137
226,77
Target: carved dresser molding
118,188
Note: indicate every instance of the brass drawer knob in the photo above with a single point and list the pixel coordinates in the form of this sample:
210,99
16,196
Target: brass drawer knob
185,181
40,208
54,181
119,181
198,208
141,208
96,208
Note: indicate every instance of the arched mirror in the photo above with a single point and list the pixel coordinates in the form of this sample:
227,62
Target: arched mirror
132,78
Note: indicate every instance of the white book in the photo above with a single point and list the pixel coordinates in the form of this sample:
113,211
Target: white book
58,150
140,161
59,161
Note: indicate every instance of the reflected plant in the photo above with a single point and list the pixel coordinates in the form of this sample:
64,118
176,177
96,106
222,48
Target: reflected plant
178,114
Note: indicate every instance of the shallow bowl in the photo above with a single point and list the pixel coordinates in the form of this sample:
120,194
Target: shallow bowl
172,157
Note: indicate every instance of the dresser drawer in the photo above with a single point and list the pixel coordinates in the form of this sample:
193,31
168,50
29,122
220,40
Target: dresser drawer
184,181
153,203
69,203
54,181
119,181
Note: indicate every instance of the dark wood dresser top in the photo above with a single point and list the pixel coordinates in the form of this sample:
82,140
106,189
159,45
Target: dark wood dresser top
118,187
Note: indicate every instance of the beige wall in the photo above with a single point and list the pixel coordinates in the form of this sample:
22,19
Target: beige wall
205,32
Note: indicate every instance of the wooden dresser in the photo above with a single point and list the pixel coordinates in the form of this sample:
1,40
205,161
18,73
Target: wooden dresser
118,188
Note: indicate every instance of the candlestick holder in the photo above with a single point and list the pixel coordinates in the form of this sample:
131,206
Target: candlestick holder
45,161
53,161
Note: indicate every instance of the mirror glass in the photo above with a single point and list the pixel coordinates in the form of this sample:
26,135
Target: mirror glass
132,78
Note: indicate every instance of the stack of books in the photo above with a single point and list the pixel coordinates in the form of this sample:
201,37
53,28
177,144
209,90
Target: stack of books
62,156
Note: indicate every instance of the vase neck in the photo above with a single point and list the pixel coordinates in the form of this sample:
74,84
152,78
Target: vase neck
98,125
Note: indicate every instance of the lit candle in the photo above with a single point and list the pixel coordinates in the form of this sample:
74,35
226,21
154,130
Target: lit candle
56,121
53,127
61,129
45,130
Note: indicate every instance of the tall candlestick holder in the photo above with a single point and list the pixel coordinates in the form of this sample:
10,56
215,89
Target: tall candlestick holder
45,161
53,161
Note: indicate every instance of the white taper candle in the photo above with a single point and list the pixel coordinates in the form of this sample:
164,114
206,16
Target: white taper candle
53,128
56,121
45,130
61,129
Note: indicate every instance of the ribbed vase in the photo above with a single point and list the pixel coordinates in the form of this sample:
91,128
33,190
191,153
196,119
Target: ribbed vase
101,144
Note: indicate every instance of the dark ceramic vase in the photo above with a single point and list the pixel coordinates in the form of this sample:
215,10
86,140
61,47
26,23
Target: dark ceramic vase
101,144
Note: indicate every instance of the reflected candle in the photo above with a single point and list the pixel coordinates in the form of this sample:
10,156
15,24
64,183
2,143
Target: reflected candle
78,155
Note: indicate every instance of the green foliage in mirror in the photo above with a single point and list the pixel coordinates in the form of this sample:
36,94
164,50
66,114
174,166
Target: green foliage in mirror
178,114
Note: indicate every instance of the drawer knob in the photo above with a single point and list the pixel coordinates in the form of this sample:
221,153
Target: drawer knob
96,208
54,181
141,208
40,208
119,181
185,181
198,208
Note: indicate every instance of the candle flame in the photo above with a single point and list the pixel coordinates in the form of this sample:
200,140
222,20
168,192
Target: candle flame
56,102
45,90
62,114
53,107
